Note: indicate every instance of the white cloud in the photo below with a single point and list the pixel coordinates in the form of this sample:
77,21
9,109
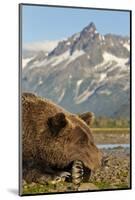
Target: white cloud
41,45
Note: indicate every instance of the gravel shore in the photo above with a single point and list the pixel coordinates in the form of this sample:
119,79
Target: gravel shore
116,172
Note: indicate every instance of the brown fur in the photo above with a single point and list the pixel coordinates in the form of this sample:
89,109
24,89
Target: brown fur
53,137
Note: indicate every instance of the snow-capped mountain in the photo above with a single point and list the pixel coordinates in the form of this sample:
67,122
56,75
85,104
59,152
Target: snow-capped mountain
86,72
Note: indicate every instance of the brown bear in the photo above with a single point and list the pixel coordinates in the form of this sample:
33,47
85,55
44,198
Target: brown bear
53,138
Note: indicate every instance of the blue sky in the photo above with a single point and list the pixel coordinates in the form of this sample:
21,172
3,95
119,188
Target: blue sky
51,23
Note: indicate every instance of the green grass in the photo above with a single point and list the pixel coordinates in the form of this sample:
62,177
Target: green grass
106,185
102,185
123,185
46,188
37,188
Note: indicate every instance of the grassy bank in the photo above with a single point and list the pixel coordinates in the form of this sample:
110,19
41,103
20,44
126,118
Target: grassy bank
111,130
111,135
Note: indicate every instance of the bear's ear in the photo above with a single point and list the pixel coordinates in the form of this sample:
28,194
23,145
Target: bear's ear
56,123
88,117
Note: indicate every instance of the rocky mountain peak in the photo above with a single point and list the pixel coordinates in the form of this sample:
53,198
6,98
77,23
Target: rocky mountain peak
91,28
89,31
77,41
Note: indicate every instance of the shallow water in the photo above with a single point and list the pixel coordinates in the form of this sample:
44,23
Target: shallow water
111,146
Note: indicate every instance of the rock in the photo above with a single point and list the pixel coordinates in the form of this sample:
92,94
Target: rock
32,184
24,182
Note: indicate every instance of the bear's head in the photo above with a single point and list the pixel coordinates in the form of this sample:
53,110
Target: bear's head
71,139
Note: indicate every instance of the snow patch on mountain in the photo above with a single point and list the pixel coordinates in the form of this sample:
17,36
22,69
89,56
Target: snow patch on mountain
56,60
102,76
84,96
127,46
105,92
61,96
109,57
101,38
79,83
70,76
75,55
104,65
43,63
61,58
25,61
40,82
66,57
78,87
68,43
